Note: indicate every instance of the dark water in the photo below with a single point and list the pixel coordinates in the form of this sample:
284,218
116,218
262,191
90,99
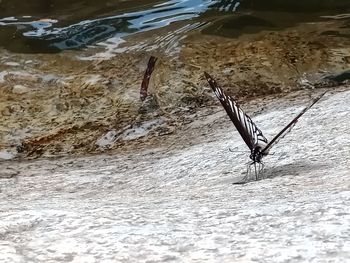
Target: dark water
55,25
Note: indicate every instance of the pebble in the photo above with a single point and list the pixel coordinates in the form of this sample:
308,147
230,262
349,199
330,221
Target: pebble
12,64
107,140
20,89
5,155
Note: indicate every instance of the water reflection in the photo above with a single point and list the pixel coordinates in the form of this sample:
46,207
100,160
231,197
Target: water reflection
91,31
55,25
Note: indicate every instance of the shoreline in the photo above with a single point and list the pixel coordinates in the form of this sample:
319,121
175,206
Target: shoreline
199,129
56,104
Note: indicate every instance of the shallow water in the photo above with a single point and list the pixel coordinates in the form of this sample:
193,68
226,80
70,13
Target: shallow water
70,72
52,26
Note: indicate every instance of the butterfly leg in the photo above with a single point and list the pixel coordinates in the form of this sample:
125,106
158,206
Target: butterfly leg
249,171
261,167
245,179
256,172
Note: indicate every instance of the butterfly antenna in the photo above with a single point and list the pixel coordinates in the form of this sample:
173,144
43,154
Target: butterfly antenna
234,151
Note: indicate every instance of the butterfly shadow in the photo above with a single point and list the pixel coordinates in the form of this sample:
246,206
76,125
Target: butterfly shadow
295,169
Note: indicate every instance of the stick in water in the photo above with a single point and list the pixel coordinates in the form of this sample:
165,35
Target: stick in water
144,85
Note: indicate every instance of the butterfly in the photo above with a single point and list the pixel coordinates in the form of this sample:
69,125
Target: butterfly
258,144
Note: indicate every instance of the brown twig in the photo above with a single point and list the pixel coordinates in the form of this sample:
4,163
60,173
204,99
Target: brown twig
144,86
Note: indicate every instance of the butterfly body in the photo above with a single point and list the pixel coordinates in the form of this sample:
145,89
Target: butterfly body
257,154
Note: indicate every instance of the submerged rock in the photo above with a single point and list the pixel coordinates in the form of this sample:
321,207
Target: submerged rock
20,89
107,140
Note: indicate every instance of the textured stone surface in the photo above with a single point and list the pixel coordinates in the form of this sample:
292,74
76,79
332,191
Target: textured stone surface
178,205
19,89
74,98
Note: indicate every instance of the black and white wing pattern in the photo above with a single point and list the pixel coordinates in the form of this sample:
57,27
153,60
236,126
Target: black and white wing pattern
290,125
250,133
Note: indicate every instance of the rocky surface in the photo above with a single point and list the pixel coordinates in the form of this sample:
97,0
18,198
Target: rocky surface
153,181
178,204
63,104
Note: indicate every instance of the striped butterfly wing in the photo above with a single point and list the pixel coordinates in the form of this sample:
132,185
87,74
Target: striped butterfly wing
250,133
290,125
